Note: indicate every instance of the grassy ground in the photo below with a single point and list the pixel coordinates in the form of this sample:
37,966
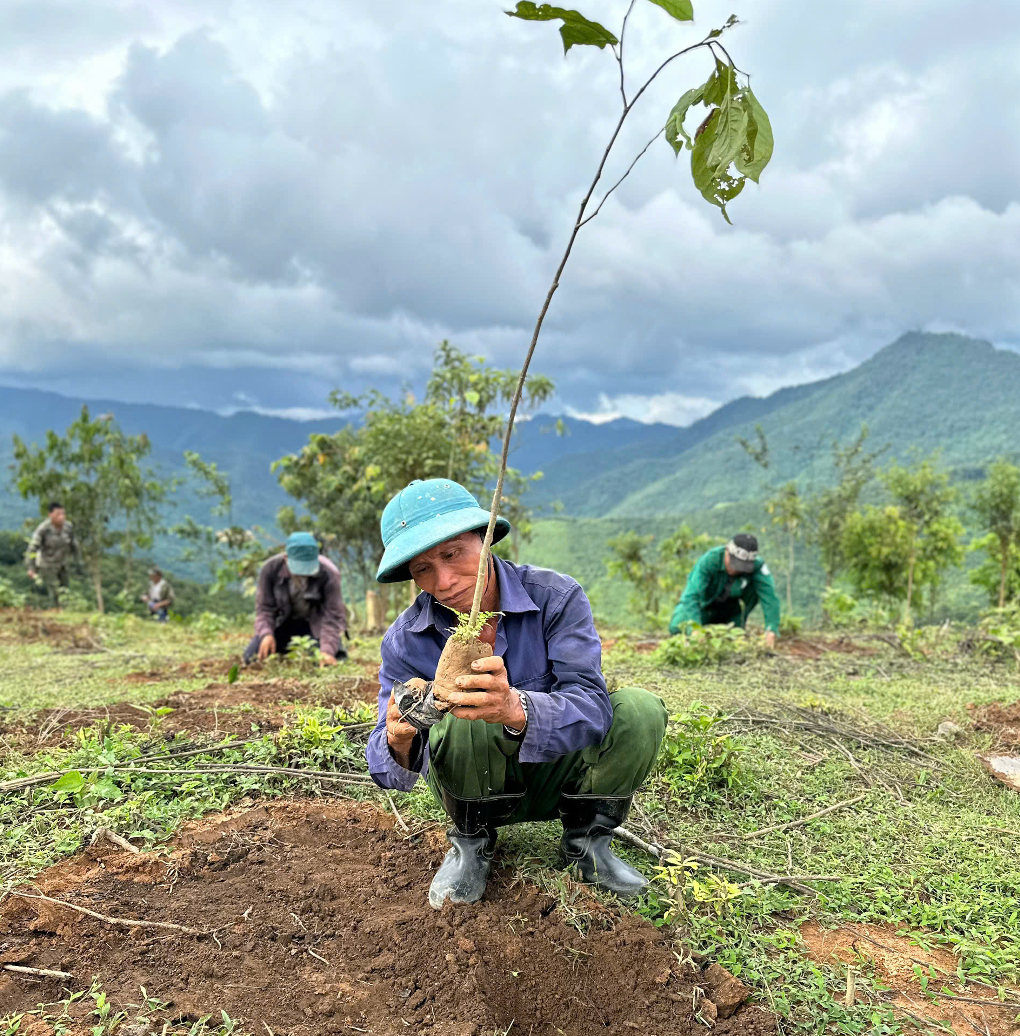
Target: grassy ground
928,848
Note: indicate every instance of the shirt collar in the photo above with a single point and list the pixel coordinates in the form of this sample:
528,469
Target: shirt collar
513,599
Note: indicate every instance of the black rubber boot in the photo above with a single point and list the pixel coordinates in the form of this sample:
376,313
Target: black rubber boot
588,825
462,876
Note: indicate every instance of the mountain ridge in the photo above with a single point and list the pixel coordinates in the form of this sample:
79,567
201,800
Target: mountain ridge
920,392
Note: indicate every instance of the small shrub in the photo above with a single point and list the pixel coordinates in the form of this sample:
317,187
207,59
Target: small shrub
1001,632
686,889
790,625
701,645
697,760
303,651
210,622
840,608
10,597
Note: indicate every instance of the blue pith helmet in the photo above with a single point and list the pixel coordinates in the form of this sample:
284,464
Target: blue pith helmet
423,515
302,554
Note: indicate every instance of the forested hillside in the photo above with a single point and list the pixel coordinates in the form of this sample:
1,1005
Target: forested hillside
922,393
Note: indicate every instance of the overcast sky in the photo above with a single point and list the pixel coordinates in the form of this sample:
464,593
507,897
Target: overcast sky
249,203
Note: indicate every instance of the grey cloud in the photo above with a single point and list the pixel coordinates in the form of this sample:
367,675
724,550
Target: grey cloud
47,154
341,193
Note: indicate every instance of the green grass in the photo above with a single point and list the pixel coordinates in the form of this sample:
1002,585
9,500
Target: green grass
920,852
931,848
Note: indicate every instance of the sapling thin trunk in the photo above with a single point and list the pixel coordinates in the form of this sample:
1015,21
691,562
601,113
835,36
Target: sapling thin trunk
735,132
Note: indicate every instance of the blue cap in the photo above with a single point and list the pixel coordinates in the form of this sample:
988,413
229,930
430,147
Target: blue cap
422,516
302,554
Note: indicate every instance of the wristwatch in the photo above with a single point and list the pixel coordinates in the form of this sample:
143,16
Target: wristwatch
524,705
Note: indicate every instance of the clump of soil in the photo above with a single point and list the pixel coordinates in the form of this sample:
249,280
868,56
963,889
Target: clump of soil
456,661
893,957
322,926
999,719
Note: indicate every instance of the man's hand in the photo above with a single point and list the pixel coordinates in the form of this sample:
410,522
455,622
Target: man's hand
770,639
400,734
267,647
487,695
326,659
31,573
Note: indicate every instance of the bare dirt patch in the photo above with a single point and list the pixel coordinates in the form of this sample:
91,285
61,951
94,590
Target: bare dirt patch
817,647
216,708
998,718
33,628
894,957
322,926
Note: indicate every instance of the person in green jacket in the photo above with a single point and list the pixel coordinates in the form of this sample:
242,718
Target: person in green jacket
725,585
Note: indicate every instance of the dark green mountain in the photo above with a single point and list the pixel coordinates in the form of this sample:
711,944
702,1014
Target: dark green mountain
925,392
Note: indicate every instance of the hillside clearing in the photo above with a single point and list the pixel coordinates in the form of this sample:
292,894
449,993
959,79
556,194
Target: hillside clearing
919,850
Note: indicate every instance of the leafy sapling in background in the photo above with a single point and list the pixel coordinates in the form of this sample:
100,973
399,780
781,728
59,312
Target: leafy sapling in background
732,143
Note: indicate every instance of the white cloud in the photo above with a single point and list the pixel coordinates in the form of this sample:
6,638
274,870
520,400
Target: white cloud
328,190
664,408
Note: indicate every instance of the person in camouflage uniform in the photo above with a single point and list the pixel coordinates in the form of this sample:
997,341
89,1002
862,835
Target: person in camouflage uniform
159,596
49,552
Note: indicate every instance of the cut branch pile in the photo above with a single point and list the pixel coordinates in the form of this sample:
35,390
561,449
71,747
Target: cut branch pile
797,719
677,854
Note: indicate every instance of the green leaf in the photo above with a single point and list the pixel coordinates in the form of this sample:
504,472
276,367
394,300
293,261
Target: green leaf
576,29
716,187
722,83
675,123
107,789
472,397
757,150
681,10
72,782
730,135
233,674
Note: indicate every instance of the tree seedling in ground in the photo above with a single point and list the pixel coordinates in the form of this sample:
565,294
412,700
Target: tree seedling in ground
732,144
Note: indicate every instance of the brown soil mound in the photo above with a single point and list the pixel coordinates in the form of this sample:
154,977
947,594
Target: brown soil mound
894,957
31,628
999,719
817,647
217,708
319,923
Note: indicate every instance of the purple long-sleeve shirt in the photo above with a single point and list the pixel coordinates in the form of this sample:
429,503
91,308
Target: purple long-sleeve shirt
552,653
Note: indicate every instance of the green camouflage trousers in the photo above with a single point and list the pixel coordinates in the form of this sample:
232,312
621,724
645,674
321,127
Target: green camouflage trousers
55,580
472,759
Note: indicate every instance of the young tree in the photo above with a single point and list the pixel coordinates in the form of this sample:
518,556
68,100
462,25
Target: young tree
657,576
631,564
732,144
829,509
230,552
997,505
345,479
94,470
786,509
923,495
897,550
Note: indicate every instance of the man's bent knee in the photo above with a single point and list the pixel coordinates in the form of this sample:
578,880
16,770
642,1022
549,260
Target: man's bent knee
470,758
637,712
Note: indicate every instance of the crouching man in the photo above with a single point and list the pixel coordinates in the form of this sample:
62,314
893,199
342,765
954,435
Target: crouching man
534,733
298,595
